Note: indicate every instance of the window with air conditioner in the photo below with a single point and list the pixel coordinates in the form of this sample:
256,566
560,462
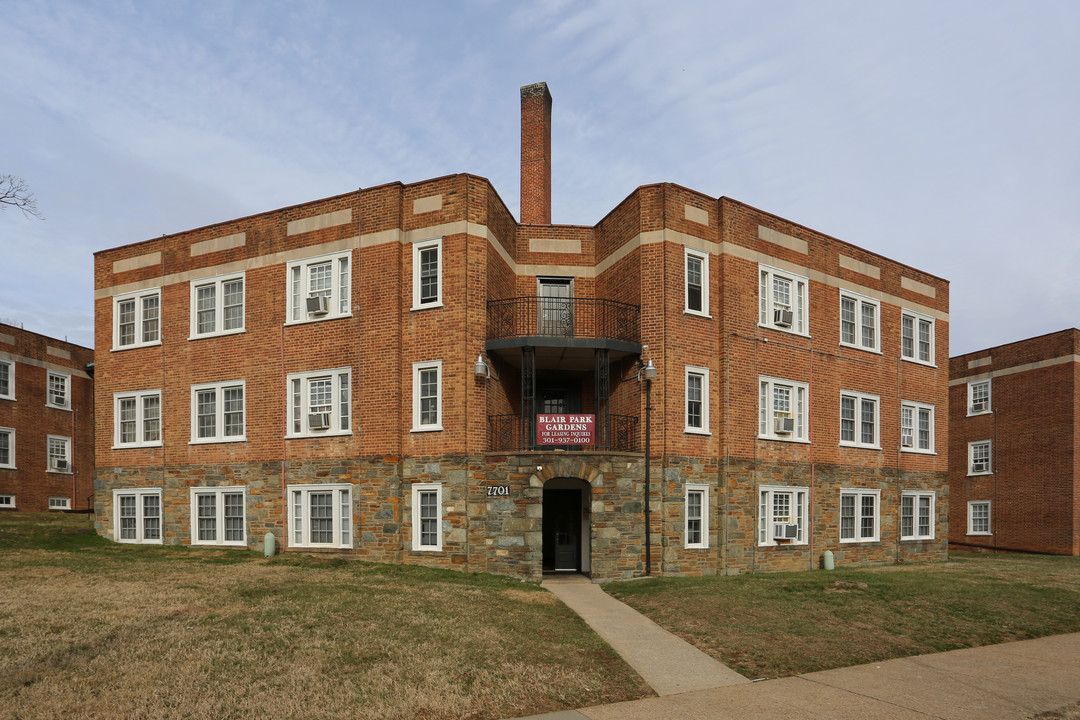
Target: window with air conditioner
320,288
137,516
979,458
917,518
218,516
137,319
59,390
218,412
917,337
137,419
979,397
782,409
7,448
696,288
916,427
427,274
783,300
7,379
978,517
59,454
320,515
217,306
782,515
860,322
320,403
859,420
860,515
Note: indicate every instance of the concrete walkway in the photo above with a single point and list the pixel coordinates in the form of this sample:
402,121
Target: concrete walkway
666,662
999,682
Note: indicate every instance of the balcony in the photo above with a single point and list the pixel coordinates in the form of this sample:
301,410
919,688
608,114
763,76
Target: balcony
505,434
565,322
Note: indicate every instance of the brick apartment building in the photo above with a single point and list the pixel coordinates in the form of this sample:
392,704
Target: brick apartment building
1014,466
46,422
407,374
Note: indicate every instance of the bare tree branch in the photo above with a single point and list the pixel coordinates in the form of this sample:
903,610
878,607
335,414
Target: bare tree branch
15,193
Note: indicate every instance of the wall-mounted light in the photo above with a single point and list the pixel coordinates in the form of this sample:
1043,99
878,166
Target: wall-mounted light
482,369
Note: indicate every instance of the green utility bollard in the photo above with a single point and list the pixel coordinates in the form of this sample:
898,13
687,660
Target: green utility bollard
828,560
268,544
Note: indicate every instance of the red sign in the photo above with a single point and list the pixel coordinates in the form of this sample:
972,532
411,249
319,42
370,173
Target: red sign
565,429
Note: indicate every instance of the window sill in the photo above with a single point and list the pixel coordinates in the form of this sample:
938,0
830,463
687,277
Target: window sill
231,543
59,472
856,446
135,347
980,474
783,545
140,542
787,331
980,534
916,451
427,428
872,351
913,361
7,397
696,431
320,546
58,407
860,541
697,313
978,414
134,446
215,441
427,549
321,318
916,539
426,306
223,333
695,547
777,438
8,467
319,434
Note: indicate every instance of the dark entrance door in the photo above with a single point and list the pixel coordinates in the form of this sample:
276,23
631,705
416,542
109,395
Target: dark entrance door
562,530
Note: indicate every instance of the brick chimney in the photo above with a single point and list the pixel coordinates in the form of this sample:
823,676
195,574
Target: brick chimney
535,154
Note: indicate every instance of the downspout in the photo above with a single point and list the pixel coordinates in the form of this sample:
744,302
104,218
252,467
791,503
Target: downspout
355,385
284,445
813,466
74,445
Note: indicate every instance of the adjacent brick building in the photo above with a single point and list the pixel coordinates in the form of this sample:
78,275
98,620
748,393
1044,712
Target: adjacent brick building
374,373
46,422
1014,453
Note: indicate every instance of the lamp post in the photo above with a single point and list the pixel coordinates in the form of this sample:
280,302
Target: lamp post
649,371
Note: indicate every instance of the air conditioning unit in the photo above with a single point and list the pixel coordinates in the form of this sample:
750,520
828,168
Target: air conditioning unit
786,532
785,425
907,442
977,407
980,467
318,305
782,317
59,464
319,421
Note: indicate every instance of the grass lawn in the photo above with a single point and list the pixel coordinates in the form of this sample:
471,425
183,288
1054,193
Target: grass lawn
89,628
775,625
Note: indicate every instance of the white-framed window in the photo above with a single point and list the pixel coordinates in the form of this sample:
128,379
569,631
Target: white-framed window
697,400
979,458
427,274
217,306
782,515
137,516
916,427
696,532
59,503
320,515
320,403
783,298
7,502
218,516
59,390
859,420
917,337
427,396
917,515
137,319
218,412
860,511
860,322
7,448
978,397
137,419
7,380
59,454
427,516
782,409
697,282
978,517
320,288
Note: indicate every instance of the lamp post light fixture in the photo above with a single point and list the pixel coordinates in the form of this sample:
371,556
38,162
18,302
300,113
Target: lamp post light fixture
481,369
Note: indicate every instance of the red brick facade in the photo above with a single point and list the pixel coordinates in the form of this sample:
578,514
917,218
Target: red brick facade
1026,494
30,478
426,461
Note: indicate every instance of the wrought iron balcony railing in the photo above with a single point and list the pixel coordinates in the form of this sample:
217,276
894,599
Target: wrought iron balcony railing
563,317
505,435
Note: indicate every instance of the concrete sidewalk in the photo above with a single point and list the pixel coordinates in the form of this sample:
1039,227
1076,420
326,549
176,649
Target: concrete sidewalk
998,682
665,661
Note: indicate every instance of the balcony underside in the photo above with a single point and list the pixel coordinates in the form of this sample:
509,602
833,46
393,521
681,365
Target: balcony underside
560,353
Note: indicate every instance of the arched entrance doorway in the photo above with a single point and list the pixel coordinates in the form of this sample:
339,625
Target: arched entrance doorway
566,526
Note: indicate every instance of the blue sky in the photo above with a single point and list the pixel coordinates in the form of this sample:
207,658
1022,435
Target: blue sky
940,134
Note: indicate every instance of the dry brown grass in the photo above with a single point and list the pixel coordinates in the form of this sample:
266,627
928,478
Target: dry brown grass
100,631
